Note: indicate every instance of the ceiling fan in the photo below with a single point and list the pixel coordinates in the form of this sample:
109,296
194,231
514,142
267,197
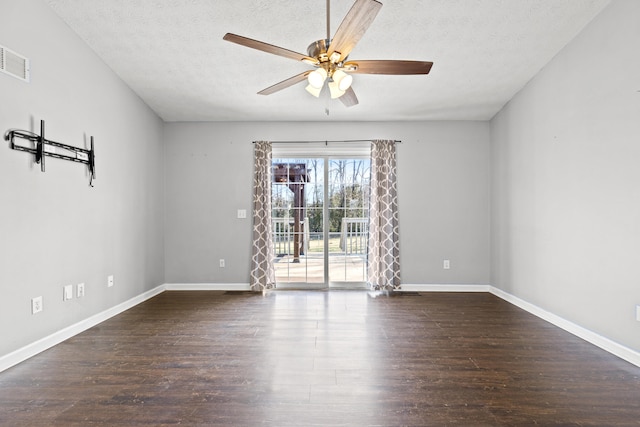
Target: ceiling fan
329,56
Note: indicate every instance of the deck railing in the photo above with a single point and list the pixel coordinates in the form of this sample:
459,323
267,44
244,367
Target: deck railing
283,232
353,236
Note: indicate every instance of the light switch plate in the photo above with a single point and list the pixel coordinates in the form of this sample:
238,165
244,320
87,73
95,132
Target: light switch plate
242,213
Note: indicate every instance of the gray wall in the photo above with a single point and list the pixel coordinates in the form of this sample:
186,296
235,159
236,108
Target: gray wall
54,229
565,182
443,180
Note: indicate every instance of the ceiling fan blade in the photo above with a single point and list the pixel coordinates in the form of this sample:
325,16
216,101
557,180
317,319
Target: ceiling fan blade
353,27
349,99
285,83
269,48
387,67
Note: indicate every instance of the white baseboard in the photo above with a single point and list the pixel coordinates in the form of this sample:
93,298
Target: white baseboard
207,287
606,344
47,342
443,288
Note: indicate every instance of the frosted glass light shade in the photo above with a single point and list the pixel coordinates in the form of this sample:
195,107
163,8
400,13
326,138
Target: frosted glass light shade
335,90
317,77
314,90
343,79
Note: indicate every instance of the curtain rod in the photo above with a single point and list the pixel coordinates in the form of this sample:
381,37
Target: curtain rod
326,141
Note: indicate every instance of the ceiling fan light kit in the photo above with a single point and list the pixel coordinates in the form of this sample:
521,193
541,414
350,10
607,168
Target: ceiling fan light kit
329,57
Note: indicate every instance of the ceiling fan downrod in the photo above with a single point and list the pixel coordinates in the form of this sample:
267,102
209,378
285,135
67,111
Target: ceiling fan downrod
328,21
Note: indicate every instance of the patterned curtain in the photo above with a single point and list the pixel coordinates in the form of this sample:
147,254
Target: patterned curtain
383,257
262,271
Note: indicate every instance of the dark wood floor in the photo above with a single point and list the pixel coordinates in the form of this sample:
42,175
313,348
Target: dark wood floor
339,358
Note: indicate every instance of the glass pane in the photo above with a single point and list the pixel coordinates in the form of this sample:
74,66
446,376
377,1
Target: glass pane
348,219
297,206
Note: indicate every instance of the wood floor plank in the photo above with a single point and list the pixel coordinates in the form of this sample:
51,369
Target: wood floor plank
317,358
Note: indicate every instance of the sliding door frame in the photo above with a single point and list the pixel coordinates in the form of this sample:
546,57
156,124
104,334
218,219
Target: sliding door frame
327,154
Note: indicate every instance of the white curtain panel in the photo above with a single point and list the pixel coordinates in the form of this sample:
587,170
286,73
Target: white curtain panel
262,271
383,257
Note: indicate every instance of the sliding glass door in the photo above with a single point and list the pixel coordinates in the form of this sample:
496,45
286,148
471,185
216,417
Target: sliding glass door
320,215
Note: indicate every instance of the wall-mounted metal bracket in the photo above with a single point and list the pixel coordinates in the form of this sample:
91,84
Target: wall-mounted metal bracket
45,147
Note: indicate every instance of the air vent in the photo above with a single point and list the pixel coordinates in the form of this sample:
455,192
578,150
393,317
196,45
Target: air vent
13,64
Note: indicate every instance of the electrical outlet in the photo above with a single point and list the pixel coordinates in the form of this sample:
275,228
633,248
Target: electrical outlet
36,305
67,293
221,263
80,290
446,264
109,281
242,213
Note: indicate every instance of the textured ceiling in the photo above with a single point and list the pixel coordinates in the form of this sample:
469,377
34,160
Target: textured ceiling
171,53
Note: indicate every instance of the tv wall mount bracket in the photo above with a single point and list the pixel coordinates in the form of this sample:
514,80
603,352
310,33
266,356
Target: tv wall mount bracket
47,148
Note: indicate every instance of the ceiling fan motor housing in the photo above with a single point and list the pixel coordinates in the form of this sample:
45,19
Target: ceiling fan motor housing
318,49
